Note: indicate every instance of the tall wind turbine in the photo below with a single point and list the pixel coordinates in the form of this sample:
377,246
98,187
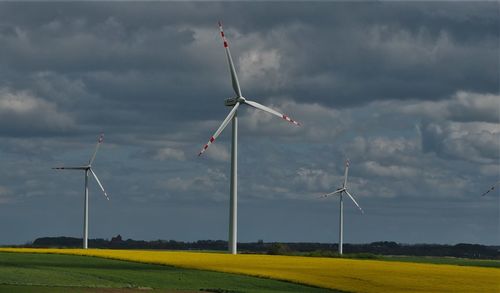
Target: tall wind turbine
87,168
339,192
235,103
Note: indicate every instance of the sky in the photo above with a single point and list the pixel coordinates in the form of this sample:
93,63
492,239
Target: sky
408,92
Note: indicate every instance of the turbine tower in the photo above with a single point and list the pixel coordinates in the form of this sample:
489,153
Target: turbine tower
339,192
87,168
232,116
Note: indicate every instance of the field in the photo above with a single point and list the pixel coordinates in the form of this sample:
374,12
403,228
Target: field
52,273
339,274
487,263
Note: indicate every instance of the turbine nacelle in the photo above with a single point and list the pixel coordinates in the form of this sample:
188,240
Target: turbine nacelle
343,189
231,102
88,168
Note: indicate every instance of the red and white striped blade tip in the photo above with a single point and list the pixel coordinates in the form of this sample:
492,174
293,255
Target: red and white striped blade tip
291,120
203,150
210,141
226,44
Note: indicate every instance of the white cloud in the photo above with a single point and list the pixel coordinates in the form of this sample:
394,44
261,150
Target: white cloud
377,169
318,123
167,153
317,180
402,46
474,141
463,106
382,148
218,152
490,170
206,185
261,68
22,111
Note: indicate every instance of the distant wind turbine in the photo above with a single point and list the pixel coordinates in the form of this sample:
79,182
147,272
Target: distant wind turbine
491,189
340,191
235,103
87,168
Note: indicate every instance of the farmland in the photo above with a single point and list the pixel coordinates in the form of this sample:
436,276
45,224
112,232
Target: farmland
338,274
52,273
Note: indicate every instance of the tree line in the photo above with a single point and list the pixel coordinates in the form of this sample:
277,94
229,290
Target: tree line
464,250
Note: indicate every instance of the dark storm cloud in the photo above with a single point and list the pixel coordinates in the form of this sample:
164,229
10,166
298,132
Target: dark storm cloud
333,53
407,91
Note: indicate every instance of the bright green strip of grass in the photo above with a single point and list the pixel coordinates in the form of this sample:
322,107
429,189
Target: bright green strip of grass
44,271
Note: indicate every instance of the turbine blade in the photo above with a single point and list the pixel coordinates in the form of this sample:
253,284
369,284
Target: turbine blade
234,78
491,189
271,111
221,128
99,141
99,182
346,171
352,198
71,168
332,193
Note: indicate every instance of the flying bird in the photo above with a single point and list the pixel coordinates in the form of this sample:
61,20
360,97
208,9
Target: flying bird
491,189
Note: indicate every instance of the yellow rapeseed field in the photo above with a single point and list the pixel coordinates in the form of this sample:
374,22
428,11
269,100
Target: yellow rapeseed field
342,274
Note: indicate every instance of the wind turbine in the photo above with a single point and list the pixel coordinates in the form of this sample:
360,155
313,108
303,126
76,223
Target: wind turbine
340,191
87,168
232,116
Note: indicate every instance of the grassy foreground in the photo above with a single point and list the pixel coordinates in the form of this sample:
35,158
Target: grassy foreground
341,274
52,273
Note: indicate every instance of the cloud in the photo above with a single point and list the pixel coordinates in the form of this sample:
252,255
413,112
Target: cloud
261,68
312,116
474,141
169,153
461,107
359,77
25,114
5,196
399,172
317,180
490,170
206,186
382,149
219,152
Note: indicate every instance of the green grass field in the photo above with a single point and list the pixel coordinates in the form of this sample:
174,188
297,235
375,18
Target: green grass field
20,272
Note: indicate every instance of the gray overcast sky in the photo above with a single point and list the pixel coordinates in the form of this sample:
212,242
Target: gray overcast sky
408,91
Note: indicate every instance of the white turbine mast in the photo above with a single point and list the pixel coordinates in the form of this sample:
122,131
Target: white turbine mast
87,168
339,192
232,116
